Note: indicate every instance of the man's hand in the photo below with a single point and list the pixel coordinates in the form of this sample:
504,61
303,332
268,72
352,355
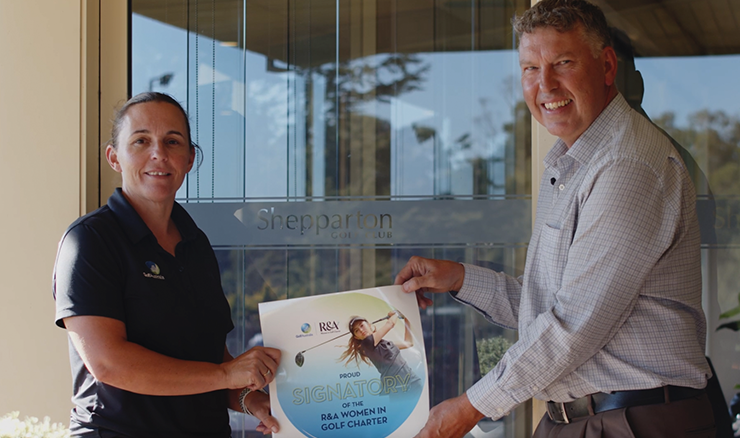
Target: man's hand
452,418
428,275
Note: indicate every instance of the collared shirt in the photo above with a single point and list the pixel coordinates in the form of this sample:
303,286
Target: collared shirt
610,298
109,264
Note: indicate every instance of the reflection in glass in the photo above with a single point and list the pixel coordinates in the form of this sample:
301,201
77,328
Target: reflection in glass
685,55
327,100
336,100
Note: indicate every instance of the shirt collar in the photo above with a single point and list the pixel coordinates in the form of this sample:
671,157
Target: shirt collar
593,138
134,226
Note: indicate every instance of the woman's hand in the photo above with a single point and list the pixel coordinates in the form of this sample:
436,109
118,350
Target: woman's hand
253,369
258,404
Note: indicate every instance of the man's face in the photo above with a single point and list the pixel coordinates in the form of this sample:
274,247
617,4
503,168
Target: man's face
565,87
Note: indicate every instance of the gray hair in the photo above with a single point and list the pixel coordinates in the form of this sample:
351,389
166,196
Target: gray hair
564,16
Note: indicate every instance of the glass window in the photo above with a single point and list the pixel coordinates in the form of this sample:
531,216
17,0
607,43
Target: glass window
405,115
677,59
414,108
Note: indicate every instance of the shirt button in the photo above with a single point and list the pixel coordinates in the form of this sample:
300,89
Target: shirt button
181,268
561,186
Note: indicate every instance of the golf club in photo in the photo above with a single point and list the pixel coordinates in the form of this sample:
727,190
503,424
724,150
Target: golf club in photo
299,359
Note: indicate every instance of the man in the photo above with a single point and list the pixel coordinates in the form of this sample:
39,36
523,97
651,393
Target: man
611,330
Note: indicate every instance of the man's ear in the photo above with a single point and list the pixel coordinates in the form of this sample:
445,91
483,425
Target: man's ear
610,65
112,156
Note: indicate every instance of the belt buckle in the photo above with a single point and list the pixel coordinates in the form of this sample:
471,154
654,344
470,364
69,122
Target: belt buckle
559,407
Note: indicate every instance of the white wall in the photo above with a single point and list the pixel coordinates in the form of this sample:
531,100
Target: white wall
39,196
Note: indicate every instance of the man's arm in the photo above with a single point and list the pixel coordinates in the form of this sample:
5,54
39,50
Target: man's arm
620,236
452,418
494,294
422,275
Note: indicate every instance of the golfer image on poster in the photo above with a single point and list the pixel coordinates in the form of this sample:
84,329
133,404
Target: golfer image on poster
366,344
353,364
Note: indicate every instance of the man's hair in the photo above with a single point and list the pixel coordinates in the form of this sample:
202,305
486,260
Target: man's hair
564,16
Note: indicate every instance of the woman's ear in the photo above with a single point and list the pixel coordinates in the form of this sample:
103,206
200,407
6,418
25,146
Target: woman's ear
112,156
192,159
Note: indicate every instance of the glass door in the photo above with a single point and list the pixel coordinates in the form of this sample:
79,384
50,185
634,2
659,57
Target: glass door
677,59
406,117
341,137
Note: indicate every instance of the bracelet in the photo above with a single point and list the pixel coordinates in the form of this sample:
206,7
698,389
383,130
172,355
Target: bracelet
243,395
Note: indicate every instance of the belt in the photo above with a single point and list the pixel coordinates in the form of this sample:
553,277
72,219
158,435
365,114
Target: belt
599,402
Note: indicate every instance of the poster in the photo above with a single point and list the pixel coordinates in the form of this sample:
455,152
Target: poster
332,383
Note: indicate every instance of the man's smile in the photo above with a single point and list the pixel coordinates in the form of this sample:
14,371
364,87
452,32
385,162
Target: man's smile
556,105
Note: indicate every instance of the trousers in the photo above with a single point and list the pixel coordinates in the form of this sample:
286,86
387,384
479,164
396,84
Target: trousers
690,418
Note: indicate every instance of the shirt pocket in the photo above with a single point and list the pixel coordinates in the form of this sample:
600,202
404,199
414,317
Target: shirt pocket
555,242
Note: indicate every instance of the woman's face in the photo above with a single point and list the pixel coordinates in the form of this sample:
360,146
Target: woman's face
153,153
362,330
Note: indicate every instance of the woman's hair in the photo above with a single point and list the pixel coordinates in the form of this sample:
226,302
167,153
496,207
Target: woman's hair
566,15
354,347
145,97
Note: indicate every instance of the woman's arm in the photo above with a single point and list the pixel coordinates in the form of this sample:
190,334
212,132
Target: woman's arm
113,360
257,402
385,328
408,338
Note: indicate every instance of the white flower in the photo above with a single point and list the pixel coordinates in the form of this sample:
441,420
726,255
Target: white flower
30,427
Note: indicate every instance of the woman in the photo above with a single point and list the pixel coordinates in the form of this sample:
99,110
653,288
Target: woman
367,345
138,289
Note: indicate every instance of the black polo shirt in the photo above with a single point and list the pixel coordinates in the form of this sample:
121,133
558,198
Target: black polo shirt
110,264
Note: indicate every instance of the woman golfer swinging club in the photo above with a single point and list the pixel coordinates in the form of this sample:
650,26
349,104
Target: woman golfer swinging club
367,345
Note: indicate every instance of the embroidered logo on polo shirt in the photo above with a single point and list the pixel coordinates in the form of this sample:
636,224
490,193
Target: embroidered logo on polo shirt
153,271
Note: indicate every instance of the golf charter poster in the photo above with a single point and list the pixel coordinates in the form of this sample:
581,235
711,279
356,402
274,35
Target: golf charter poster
353,364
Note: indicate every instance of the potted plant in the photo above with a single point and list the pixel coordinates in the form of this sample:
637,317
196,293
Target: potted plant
490,351
734,326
